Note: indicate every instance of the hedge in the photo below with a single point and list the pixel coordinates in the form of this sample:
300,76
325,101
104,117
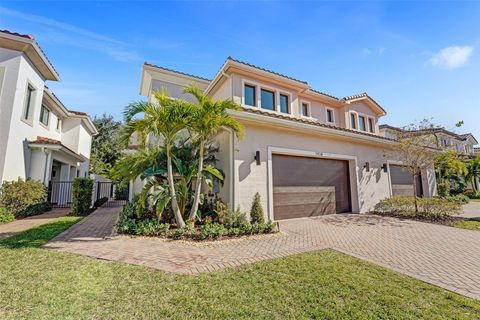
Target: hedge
17,196
82,196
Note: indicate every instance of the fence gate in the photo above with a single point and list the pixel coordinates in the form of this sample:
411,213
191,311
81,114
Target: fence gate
106,194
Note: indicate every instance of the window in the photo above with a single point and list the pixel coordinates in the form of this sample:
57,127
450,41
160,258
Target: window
59,124
305,109
44,115
330,116
284,104
267,99
371,126
353,121
362,123
250,95
28,103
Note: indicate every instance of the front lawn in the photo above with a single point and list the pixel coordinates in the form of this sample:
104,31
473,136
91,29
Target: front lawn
43,284
468,224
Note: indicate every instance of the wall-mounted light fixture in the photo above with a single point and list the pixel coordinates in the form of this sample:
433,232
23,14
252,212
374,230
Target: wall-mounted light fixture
385,167
367,166
257,157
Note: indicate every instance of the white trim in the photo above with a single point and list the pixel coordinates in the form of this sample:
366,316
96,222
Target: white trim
309,107
355,205
355,113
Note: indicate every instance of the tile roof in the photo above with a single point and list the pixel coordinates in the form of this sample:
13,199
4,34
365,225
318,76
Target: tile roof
44,140
363,95
175,71
28,36
312,122
266,70
79,113
31,37
463,136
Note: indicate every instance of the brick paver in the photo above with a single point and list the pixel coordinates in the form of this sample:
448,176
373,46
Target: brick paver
11,228
444,256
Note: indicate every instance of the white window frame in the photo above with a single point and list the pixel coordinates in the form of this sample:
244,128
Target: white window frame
365,123
48,118
354,113
326,115
309,107
258,96
371,125
31,104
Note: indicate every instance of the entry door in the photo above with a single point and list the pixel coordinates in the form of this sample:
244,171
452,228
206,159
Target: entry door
305,187
402,182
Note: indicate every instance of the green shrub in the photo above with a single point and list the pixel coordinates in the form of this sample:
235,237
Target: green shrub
234,219
459,198
180,233
151,227
6,216
472,195
211,231
443,189
16,196
36,209
256,212
82,196
429,208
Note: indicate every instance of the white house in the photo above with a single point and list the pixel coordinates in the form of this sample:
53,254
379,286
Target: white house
40,138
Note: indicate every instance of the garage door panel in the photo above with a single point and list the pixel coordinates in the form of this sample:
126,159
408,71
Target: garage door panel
306,187
402,182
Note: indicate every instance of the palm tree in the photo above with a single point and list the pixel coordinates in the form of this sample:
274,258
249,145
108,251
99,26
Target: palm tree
474,173
206,120
162,122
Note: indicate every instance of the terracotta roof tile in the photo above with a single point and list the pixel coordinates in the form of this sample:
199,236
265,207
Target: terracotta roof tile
80,113
44,140
363,95
312,122
176,71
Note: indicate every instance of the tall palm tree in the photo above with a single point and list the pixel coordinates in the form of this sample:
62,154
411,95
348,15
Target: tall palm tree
161,123
474,173
206,120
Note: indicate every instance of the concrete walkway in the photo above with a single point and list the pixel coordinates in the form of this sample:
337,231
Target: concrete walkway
11,228
444,256
471,210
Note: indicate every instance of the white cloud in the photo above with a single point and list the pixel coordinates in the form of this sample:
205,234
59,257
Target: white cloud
451,57
381,51
365,52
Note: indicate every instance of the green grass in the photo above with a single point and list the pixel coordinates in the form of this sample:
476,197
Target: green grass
43,284
475,200
468,224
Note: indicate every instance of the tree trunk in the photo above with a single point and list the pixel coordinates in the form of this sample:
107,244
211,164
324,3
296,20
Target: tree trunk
415,193
198,185
171,186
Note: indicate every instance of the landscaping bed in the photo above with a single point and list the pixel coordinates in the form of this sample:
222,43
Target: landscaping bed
443,211
223,223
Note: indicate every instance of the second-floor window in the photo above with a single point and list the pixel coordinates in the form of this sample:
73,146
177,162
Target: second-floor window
362,123
27,110
250,95
371,126
305,109
44,115
284,103
267,99
353,121
330,118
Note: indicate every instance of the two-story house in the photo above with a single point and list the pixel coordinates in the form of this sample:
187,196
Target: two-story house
443,139
306,152
40,138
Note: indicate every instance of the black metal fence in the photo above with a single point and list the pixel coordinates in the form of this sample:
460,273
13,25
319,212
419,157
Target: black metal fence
104,194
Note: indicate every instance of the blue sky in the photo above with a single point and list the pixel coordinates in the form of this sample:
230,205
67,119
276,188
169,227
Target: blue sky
418,60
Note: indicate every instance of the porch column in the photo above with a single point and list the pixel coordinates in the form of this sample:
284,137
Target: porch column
429,182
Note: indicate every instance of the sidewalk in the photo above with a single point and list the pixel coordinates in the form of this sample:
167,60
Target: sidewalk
14,227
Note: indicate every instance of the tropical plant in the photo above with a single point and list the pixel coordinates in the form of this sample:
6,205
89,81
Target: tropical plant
106,145
473,174
206,120
162,122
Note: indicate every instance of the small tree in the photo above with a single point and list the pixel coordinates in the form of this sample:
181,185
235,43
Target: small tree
256,212
473,174
106,145
416,150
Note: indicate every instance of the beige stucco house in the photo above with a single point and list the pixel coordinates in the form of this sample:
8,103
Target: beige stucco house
40,138
306,152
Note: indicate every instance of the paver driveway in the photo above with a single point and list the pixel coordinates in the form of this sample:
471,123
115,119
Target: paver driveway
444,256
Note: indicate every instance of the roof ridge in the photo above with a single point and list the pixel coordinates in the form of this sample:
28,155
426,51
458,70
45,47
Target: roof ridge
175,71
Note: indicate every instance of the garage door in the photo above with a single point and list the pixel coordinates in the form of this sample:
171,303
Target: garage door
305,187
402,184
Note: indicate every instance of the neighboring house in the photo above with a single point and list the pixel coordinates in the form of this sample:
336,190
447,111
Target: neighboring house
476,151
462,143
306,152
40,138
